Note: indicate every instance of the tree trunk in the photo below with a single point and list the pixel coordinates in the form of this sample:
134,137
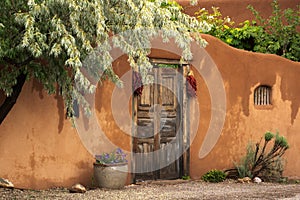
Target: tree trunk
10,101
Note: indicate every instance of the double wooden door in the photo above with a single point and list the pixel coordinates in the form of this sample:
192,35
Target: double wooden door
158,135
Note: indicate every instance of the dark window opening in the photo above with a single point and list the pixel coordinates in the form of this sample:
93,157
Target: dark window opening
262,95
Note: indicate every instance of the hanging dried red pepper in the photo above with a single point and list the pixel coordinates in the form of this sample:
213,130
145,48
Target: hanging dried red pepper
137,83
191,84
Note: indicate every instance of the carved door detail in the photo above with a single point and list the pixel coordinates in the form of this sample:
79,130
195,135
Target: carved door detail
157,142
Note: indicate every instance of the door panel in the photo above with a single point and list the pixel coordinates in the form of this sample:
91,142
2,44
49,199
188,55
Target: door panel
157,136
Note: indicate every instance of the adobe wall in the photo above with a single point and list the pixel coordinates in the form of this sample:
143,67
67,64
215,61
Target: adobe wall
237,10
242,72
39,148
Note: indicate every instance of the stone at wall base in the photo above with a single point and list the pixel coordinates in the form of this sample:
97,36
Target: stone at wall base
244,180
77,188
257,180
6,183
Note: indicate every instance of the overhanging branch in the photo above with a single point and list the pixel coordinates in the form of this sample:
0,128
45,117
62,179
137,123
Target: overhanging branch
10,101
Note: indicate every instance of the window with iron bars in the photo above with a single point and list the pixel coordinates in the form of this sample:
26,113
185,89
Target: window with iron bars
262,95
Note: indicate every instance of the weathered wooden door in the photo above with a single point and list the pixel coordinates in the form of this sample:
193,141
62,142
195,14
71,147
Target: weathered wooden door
157,142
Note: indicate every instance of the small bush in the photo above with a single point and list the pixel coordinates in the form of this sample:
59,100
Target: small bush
246,163
267,163
277,34
214,176
186,177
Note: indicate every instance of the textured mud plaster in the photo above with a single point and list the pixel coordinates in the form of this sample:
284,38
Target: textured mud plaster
118,134
290,89
237,10
242,72
34,153
39,148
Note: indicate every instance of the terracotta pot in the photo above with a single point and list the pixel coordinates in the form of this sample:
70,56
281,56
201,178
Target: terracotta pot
112,176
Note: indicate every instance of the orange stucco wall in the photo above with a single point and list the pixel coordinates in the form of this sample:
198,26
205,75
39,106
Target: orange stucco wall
237,10
39,148
242,72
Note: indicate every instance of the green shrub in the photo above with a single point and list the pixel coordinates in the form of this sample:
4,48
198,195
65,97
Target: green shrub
261,161
214,176
186,177
275,35
269,136
246,163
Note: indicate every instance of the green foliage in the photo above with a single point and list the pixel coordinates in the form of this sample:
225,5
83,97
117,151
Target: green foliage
217,23
50,40
268,136
246,163
242,37
263,161
286,180
280,32
276,35
186,177
280,142
214,176
166,4
174,66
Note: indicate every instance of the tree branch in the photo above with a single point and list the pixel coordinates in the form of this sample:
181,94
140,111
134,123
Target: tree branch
10,101
18,64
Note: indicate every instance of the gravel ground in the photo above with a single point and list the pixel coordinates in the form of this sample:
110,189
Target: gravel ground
166,190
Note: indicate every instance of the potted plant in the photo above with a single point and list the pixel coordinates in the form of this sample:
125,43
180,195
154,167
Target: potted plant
110,169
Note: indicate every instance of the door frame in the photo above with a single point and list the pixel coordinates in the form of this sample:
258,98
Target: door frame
184,134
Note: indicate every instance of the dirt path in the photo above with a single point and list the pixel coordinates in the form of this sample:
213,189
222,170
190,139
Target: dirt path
160,190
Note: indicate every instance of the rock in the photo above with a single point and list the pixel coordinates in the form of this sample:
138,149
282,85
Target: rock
257,180
6,183
77,188
244,180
